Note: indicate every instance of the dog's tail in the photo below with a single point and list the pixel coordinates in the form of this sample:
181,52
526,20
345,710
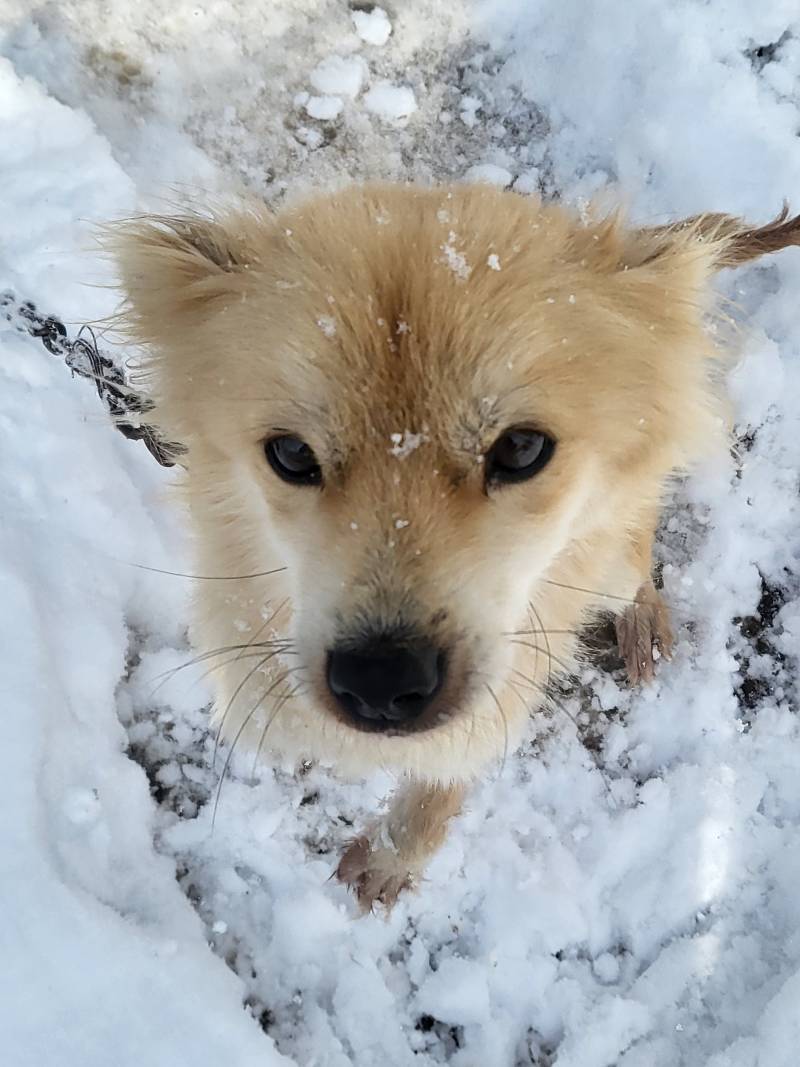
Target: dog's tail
733,240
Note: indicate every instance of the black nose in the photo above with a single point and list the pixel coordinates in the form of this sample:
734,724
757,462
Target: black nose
384,685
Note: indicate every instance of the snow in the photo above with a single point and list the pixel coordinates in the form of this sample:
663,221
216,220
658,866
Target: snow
96,931
327,324
528,183
456,993
403,444
469,108
454,259
339,76
373,26
324,107
393,103
631,903
490,174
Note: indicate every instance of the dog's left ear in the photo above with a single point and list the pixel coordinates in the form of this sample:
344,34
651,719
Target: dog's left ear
728,241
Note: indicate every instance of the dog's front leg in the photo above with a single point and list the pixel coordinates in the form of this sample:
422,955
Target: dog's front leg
379,865
643,628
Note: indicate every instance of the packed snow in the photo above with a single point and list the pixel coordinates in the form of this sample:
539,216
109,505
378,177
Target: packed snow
393,103
324,107
490,174
622,893
337,75
372,26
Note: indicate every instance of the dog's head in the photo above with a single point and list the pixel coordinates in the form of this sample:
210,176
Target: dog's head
426,405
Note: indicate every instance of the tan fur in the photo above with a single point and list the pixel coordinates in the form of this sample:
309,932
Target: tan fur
392,857
735,241
372,320
644,633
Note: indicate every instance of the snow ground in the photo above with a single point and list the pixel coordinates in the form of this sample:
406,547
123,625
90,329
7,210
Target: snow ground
624,894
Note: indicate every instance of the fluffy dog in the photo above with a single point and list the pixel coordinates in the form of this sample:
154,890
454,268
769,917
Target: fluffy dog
428,432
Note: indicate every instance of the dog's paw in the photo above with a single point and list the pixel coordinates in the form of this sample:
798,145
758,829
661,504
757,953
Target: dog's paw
376,875
644,634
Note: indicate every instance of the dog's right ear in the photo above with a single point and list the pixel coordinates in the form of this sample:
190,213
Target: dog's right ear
173,269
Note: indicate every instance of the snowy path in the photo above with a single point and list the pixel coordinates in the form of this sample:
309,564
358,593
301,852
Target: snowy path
633,906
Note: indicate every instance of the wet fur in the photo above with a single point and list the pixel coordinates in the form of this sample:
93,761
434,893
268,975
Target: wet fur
352,318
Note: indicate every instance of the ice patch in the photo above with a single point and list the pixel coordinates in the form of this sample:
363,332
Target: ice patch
489,174
528,183
392,103
339,76
373,26
324,107
470,106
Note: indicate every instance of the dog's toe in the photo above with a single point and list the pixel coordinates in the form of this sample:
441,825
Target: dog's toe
353,864
644,634
376,876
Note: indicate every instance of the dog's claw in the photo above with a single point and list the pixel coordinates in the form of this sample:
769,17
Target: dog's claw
642,629
376,876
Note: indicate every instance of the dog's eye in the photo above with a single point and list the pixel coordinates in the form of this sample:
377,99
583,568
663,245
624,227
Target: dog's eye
518,454
293,460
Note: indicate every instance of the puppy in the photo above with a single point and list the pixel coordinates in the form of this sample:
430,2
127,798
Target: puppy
428,432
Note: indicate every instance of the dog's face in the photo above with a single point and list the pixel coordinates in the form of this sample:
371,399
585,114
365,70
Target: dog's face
424,405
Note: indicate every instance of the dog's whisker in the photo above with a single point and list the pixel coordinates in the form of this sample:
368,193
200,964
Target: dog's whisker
505,726
287,648
542,630
515,689
536,663
240,658
536,631
245,722
471,732
204,577
235,694
563,664
591,592
283,699
270,619
164,676
549,697
284,646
